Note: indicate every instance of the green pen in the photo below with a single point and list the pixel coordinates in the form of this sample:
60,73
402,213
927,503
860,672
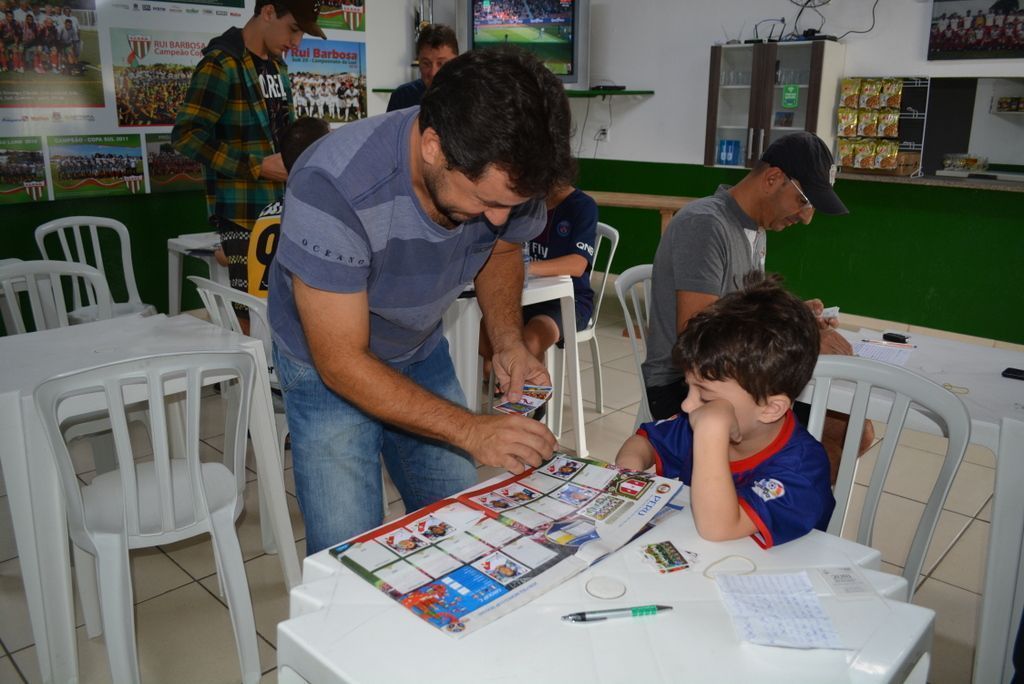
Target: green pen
598,615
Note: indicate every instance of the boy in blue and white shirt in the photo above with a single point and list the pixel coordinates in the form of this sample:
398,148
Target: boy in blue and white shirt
752,469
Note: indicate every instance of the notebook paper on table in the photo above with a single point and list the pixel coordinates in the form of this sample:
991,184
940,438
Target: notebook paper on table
777,610
898,356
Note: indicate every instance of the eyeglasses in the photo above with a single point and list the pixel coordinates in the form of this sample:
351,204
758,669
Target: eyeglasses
807,203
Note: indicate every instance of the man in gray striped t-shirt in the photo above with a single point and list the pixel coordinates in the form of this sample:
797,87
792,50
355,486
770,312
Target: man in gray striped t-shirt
386,221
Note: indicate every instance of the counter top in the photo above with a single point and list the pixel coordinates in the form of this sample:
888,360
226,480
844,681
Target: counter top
966,183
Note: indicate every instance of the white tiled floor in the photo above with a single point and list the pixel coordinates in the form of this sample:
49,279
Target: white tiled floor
184,631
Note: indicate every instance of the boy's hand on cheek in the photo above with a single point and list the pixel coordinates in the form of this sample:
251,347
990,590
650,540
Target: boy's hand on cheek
716,417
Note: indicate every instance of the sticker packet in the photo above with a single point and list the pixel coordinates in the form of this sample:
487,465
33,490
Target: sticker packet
665,557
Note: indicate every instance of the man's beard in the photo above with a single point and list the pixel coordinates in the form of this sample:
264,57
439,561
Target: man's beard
442,214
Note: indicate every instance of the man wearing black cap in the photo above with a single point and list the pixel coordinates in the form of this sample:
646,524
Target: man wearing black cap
711,244
238,102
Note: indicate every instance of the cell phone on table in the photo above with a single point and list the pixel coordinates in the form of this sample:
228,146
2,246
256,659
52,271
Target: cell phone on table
1013,373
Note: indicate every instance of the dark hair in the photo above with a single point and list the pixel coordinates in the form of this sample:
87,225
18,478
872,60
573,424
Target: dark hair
761,336
502,107
300,134
280,8
437,36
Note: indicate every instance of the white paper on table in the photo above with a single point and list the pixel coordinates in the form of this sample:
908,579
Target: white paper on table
777,610
898,356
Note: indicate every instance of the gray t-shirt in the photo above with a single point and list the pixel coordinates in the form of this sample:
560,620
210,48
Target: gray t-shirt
706,248
352,223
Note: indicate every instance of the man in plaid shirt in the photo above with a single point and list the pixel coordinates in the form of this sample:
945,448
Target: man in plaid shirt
238,102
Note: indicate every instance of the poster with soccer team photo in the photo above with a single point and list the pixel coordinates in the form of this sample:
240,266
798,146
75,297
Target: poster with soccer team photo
346,15
152,70
22,171
95,165
170,171
976,29
72,123
328,79
213,3
50,55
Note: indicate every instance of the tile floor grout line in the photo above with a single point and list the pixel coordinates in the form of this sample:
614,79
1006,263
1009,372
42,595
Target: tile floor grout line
224,604
953,586
928,574
982,507
942,556
156,596
14,663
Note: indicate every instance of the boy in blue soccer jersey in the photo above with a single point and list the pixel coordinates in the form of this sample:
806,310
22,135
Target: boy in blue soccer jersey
752,469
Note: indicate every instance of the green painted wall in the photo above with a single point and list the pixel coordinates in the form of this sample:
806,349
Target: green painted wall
151,220
940,257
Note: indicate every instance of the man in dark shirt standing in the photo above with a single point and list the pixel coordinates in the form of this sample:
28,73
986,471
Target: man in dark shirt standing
436,45
237,104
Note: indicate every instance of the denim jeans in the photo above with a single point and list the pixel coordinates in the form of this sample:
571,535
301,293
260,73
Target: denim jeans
336,449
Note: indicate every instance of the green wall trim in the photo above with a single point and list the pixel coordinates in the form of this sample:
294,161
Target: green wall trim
939,257
151,220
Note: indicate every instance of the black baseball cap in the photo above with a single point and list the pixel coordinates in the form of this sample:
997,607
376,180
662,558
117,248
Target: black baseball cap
306,13
804,157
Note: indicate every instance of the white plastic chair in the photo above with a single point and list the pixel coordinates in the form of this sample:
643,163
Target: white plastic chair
159,500
588,334
79,238
219,301
906,389
44,283
633,288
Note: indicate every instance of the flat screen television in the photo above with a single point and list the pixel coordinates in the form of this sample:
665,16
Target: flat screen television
556,31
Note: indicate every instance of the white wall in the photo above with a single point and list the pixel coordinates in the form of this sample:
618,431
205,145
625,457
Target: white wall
664,45
390,45
1000,137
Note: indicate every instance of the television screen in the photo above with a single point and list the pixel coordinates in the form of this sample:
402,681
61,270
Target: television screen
550,29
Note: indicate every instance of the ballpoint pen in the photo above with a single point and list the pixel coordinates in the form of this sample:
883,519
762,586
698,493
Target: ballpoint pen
598,615
886,343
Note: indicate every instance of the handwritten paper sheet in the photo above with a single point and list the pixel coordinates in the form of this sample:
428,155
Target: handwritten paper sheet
777,610
898,356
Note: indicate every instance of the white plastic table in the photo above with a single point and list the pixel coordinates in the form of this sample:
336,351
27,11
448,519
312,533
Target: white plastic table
341,629
462,328
33,485
996,407
199,246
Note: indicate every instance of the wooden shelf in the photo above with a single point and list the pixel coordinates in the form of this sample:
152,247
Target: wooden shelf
602,93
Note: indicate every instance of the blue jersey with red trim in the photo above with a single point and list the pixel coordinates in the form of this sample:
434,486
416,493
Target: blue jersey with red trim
785,488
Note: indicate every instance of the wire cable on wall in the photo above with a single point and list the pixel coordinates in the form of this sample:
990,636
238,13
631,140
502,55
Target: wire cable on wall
868,29
583,128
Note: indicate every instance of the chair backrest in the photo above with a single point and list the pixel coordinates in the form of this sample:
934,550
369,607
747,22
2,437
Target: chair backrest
633,287
874,381
119,387
46,284
220,301
79,239
604,232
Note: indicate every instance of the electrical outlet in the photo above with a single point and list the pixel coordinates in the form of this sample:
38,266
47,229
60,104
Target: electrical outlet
602,134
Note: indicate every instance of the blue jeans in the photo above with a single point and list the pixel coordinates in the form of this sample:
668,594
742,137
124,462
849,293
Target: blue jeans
336,449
